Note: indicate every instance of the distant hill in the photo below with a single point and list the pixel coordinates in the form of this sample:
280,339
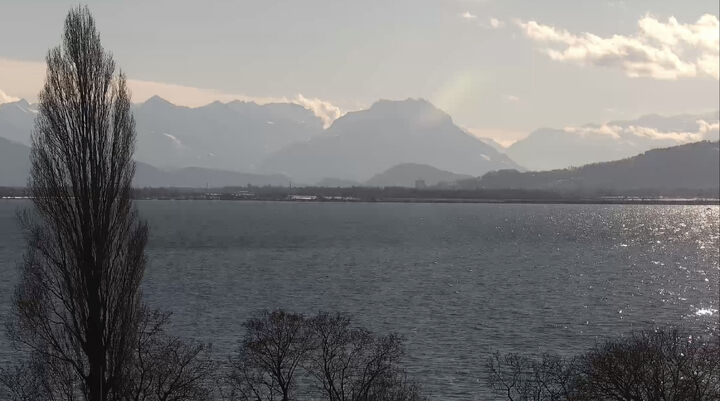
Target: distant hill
14,163
548,148
405,175
361,143
198,177
691,166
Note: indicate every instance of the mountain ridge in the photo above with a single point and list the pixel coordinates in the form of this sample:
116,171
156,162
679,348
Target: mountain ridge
694,166
361,143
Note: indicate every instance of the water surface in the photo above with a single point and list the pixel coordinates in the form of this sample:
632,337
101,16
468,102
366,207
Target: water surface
457,280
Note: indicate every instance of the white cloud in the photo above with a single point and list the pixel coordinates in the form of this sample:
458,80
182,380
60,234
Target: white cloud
326,111
468,15
195,97
612,131
496,23
706,131
660,50
5,98
25,78
511,98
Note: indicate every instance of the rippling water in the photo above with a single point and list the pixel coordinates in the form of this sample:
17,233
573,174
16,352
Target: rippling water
457,280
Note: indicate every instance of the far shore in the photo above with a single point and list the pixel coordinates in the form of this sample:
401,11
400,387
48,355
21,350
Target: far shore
528,201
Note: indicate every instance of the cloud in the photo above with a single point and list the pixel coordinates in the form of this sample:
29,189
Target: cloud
326,111
706,131
496,23
511,98
25,78
468,15
5,98
612,131
661,50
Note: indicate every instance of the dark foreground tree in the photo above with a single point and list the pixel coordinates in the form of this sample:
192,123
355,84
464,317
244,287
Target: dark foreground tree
78,303
645,366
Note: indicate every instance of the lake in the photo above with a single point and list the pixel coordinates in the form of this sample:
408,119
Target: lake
457,280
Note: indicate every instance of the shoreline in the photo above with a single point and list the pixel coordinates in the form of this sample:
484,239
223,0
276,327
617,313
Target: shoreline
508,201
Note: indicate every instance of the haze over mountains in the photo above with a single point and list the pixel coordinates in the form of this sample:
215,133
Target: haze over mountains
391,143
14,163
289,139
15,168
16,121
547,148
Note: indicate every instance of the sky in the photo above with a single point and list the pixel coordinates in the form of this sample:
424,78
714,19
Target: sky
500,68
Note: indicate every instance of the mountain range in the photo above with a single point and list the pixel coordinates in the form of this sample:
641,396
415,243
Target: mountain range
288,139
230,136
244,142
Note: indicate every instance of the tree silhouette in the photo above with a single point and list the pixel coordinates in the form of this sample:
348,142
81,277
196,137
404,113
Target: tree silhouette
286,356
78,302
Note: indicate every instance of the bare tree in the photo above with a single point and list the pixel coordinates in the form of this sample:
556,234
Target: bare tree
275,344
78,300
350,363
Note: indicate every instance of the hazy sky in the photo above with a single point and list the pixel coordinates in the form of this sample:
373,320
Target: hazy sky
500,68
